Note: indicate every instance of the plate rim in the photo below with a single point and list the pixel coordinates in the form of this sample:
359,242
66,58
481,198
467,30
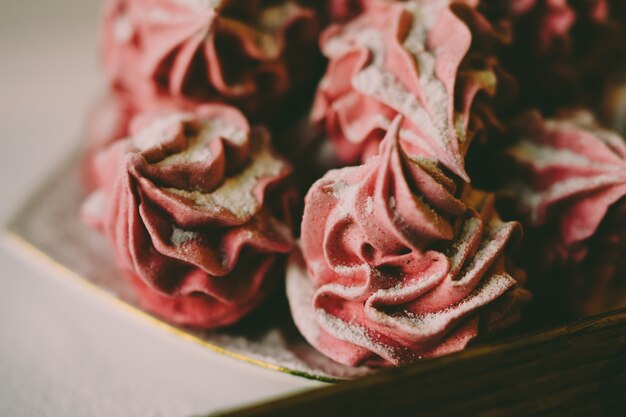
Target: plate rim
20,245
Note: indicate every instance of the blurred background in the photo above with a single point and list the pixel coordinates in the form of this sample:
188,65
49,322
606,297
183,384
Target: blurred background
61,352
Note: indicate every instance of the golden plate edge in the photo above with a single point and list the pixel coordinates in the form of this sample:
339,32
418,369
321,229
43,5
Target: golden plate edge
19,245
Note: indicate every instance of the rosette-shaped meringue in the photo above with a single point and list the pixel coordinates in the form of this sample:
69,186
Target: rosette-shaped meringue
247,52
569,190
399,267
404,58
196,207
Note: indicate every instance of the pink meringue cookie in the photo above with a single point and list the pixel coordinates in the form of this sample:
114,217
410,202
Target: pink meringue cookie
400,58
247,53
395,267
196,207
569,190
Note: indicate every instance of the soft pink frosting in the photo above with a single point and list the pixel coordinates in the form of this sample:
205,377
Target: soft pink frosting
571,194
109,120
401,58
399,267
196,207
245,52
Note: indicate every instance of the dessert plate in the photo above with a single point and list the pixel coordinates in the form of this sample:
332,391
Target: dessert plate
49,228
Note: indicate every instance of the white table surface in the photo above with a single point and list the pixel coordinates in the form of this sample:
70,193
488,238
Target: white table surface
63,353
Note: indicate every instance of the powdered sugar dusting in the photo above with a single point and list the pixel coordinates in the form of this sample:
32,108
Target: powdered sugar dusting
569,187
179,236
346,197
369,205
583,122
201,4
416,43
461,244
377,82
545,156
346,292
235,194
364,37
354,333
198,150
429,324
158,15
433,118
338,187
415,288
301,291
123,29
491,245
588,160
159,131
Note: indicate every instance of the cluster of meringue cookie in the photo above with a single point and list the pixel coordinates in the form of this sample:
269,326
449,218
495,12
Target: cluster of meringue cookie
197,205
172,55
402,252
567,184
247,53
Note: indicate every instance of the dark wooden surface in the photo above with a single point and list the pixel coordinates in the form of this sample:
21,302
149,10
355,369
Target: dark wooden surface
574,370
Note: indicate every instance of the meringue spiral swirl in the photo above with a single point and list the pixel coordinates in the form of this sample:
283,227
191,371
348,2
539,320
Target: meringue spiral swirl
569,190
408,58
196,206
395,266
248,53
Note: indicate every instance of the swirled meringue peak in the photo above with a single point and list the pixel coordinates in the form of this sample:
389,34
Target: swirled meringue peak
196,206
396,267
402,58
109,120
569,190
248,53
